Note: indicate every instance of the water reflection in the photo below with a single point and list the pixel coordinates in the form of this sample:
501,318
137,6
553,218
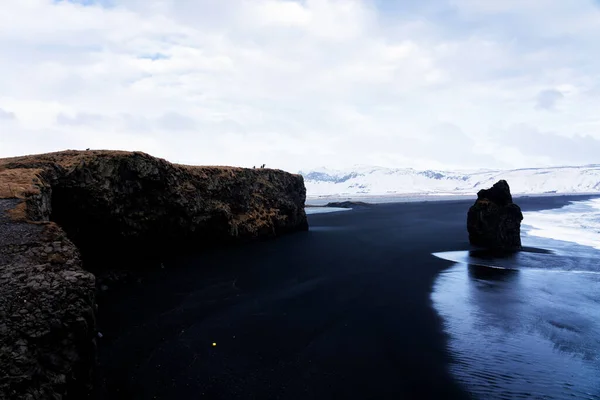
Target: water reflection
529,259
485,273
484,258
517,328
495,297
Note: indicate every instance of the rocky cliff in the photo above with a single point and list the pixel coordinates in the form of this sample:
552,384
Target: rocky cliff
65,214
494,221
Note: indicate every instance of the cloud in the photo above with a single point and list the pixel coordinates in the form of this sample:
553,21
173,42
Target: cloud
299,84
173,121
6,115
80,119
547,99
575,150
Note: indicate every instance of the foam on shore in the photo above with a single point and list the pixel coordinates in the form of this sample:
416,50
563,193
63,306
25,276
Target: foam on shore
323,210
578,222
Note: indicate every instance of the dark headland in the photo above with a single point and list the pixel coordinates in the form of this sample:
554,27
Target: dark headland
71,217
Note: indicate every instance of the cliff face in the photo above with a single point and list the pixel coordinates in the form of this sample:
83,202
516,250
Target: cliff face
494,221
138,204
108,205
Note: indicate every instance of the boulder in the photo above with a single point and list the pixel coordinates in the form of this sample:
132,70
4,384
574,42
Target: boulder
494,221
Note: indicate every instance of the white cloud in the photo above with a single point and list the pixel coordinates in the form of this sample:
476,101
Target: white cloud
298,84
547,99
277,13
6,115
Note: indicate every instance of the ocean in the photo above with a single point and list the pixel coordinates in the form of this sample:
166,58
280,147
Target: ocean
528,326
324,210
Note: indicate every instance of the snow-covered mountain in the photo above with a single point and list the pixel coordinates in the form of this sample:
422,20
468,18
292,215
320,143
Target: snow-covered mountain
364,180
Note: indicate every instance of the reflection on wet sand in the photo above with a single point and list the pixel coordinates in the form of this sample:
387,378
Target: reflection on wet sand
483,272
517,328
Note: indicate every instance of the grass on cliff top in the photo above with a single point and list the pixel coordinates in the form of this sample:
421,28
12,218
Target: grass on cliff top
69,158
65,158
20,177
23,177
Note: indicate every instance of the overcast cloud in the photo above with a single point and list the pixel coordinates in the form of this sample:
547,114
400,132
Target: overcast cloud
295,85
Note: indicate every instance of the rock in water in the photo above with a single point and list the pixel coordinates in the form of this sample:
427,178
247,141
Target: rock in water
494,221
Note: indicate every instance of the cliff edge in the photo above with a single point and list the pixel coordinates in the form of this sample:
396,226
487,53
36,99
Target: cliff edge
61,212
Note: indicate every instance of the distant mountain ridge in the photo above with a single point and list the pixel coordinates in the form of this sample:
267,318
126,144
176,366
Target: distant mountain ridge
370,180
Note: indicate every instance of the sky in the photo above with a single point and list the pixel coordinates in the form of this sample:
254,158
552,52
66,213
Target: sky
296,85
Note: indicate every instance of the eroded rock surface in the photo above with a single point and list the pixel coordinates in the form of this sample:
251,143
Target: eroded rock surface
97,206
494,221
47,323
138,204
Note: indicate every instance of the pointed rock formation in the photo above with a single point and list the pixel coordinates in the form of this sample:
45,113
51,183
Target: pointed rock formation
494,221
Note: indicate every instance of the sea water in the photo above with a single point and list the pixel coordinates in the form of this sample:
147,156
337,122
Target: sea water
528,326
577,222
323,210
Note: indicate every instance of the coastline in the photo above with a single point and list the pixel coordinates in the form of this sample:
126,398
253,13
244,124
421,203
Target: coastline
341,310
320,200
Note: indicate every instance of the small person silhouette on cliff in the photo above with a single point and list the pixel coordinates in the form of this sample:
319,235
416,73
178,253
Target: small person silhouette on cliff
262,166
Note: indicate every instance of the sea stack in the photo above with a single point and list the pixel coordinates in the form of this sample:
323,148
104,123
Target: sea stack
494,221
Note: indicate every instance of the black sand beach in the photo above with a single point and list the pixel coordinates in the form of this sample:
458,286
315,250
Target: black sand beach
341,311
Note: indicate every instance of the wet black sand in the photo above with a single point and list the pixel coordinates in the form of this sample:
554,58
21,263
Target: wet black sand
342,311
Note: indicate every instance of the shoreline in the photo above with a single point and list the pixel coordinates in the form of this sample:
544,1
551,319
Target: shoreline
523,326
554,201
320,200
341,310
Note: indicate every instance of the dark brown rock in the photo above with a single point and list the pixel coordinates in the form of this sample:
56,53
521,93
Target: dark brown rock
143,205
37,357
494,221
103,207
